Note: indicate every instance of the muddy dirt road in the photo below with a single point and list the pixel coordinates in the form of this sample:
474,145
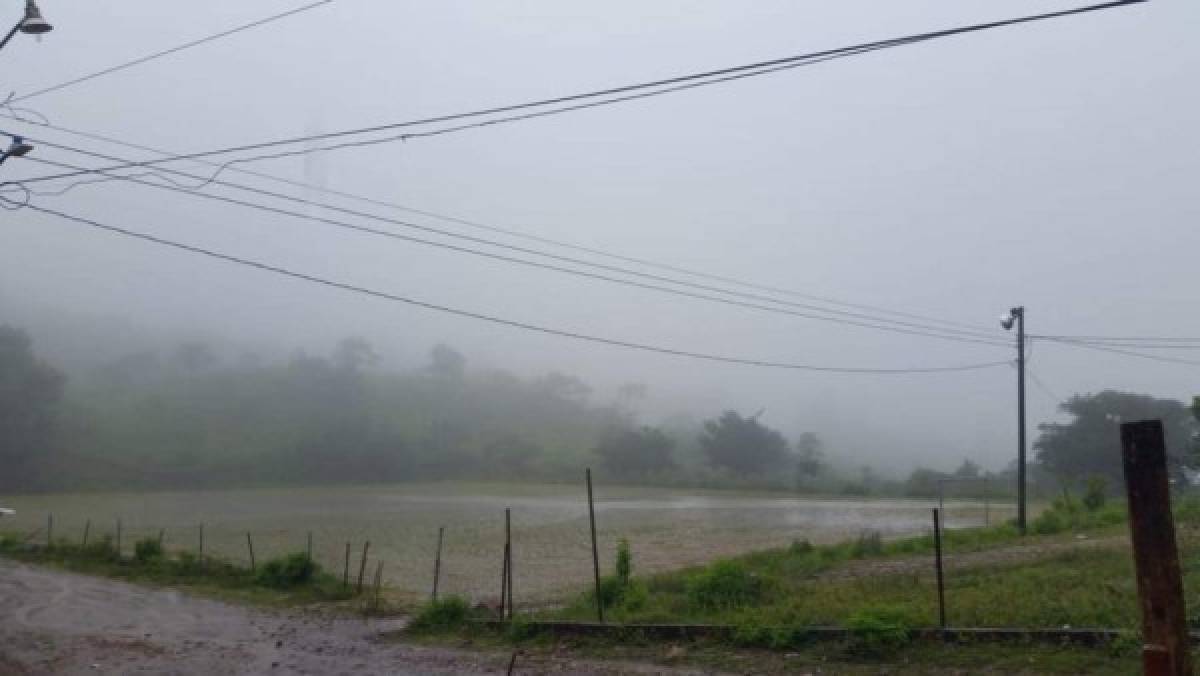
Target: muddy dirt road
53,622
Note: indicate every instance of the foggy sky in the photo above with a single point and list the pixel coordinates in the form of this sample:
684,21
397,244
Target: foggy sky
1052,165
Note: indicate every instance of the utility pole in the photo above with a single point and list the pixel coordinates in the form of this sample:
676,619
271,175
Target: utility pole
1017,316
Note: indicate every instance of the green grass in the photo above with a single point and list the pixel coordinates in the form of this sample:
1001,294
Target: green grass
786,588
881,590
920,657
287,580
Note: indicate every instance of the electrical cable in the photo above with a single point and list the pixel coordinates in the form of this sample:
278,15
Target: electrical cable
1140,343
515,233
843,317
759,66
1127,353
1042,385
496,319
167,52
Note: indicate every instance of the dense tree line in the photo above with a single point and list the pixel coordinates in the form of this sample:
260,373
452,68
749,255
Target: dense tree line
195,416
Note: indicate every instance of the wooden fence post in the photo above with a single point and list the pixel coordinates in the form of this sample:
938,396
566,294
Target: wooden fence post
86,527
49,530
201,559
310,546
118,537
595,553
937,550
250,546
362,565
346,569
1155,554
509,551
504,583
437,561
378,582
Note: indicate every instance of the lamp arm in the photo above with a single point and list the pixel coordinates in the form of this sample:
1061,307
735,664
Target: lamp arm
16,27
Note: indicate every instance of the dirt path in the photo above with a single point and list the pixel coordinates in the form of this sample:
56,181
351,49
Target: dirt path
1005,555
53,622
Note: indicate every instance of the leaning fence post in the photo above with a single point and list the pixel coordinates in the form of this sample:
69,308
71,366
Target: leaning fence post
362,565
86,527
437,561
595,553
1155,554
346,569
250,546
937,549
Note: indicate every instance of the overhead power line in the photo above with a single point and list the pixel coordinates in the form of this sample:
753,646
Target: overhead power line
167,52
519,234
493,318
1136,342
1042,385
840,317
1113,350
714,75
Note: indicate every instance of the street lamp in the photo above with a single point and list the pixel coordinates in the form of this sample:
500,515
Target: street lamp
1017,316
30,24
18,148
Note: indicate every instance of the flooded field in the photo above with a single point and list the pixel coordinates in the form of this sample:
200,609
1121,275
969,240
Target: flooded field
666,528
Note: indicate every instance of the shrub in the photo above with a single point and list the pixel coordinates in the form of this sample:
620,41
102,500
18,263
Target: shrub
287,571
1049,522
724,585
869,543
624,561
101,548
147,550
1095,493
188,563
877,632
800,547
441,615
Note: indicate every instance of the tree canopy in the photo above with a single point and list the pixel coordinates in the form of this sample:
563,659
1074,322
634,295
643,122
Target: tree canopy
636,452
1090,444
743,446
30,392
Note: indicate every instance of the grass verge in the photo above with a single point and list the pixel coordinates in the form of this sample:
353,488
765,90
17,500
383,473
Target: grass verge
292,579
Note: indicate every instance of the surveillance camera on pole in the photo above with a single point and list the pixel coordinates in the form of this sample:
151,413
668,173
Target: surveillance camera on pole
17,148
32,23
1016,316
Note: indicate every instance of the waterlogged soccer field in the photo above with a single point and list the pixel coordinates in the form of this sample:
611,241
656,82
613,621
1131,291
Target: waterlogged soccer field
666,528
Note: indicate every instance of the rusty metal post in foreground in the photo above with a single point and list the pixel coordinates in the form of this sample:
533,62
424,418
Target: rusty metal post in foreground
1155,555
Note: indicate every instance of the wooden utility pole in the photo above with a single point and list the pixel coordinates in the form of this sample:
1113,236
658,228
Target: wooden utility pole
1155,555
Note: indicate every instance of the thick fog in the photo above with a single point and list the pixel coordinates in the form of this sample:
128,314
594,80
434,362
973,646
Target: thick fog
1051,165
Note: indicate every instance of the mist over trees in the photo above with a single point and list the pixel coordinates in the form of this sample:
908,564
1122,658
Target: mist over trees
30,396
203,414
